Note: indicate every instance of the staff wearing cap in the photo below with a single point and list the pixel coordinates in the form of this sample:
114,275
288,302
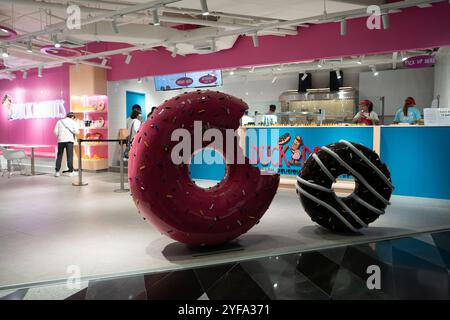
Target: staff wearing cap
409,113
366,115
66,131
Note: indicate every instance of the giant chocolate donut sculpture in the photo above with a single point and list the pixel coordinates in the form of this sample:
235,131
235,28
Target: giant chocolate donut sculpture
164,192
368,201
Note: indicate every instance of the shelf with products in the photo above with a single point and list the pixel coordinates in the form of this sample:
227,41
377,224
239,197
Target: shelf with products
91,114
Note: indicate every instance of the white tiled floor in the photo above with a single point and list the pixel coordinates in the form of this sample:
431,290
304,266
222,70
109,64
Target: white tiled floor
46,225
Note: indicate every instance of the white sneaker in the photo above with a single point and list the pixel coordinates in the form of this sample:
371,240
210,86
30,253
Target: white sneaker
57,174
69,174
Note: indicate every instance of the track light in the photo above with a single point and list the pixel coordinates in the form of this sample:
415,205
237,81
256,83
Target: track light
55,40
5,53
274,79
128,59
204,5
231,73
385,20
374,71
338,74
252,70
404,58
29,47
320,64
40,71
305,75
343,27
156,21
359,60
104,62
24,74
114,26
255,40
139,80
174,52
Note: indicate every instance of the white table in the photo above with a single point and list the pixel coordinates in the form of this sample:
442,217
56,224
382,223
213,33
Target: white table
27,146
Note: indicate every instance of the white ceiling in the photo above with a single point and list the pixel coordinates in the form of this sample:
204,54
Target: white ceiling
275,9
26,16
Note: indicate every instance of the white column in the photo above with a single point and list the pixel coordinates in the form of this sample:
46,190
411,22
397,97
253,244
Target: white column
442,77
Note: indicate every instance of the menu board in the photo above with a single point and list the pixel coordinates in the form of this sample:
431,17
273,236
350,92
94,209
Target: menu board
210,78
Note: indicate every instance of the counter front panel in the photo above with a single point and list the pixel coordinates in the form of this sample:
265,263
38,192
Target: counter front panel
296,143
418,157
419,160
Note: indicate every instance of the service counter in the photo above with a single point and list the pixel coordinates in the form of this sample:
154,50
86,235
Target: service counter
418,157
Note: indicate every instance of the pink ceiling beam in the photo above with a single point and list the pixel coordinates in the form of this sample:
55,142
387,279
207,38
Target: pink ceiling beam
412,28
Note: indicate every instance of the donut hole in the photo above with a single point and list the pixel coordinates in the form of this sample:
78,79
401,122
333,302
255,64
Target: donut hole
344,186
207,168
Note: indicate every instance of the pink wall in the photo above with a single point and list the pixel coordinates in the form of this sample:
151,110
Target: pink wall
52,86
411,29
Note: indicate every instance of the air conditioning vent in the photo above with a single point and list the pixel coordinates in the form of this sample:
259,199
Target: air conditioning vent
70,44
203,47
331,61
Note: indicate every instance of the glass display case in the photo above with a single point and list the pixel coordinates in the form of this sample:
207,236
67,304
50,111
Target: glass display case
315,107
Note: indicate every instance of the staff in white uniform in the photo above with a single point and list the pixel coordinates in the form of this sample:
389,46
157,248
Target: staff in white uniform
366,115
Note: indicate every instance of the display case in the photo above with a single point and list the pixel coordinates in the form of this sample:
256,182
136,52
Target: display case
316,107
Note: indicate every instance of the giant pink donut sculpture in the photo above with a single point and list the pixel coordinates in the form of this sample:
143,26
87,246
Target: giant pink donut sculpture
164,192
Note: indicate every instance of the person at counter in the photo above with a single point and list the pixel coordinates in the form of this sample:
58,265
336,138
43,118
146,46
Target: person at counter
409,113
366,115
246,119
270,118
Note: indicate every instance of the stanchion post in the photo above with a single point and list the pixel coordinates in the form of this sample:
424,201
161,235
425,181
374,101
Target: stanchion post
80,167
122,170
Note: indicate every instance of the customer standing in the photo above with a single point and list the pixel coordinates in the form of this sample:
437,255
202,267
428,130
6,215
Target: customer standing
133,108
66,130
134,125
366,115
409,113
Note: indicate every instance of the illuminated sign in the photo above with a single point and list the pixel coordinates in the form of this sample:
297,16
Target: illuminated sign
33,110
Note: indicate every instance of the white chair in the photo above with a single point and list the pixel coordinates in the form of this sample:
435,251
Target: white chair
13,158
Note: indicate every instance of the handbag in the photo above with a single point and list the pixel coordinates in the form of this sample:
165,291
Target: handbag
126,153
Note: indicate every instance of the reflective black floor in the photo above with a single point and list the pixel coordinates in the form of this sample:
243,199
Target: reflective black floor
408,268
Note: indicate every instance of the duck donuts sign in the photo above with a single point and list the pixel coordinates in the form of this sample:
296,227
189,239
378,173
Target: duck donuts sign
49,109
